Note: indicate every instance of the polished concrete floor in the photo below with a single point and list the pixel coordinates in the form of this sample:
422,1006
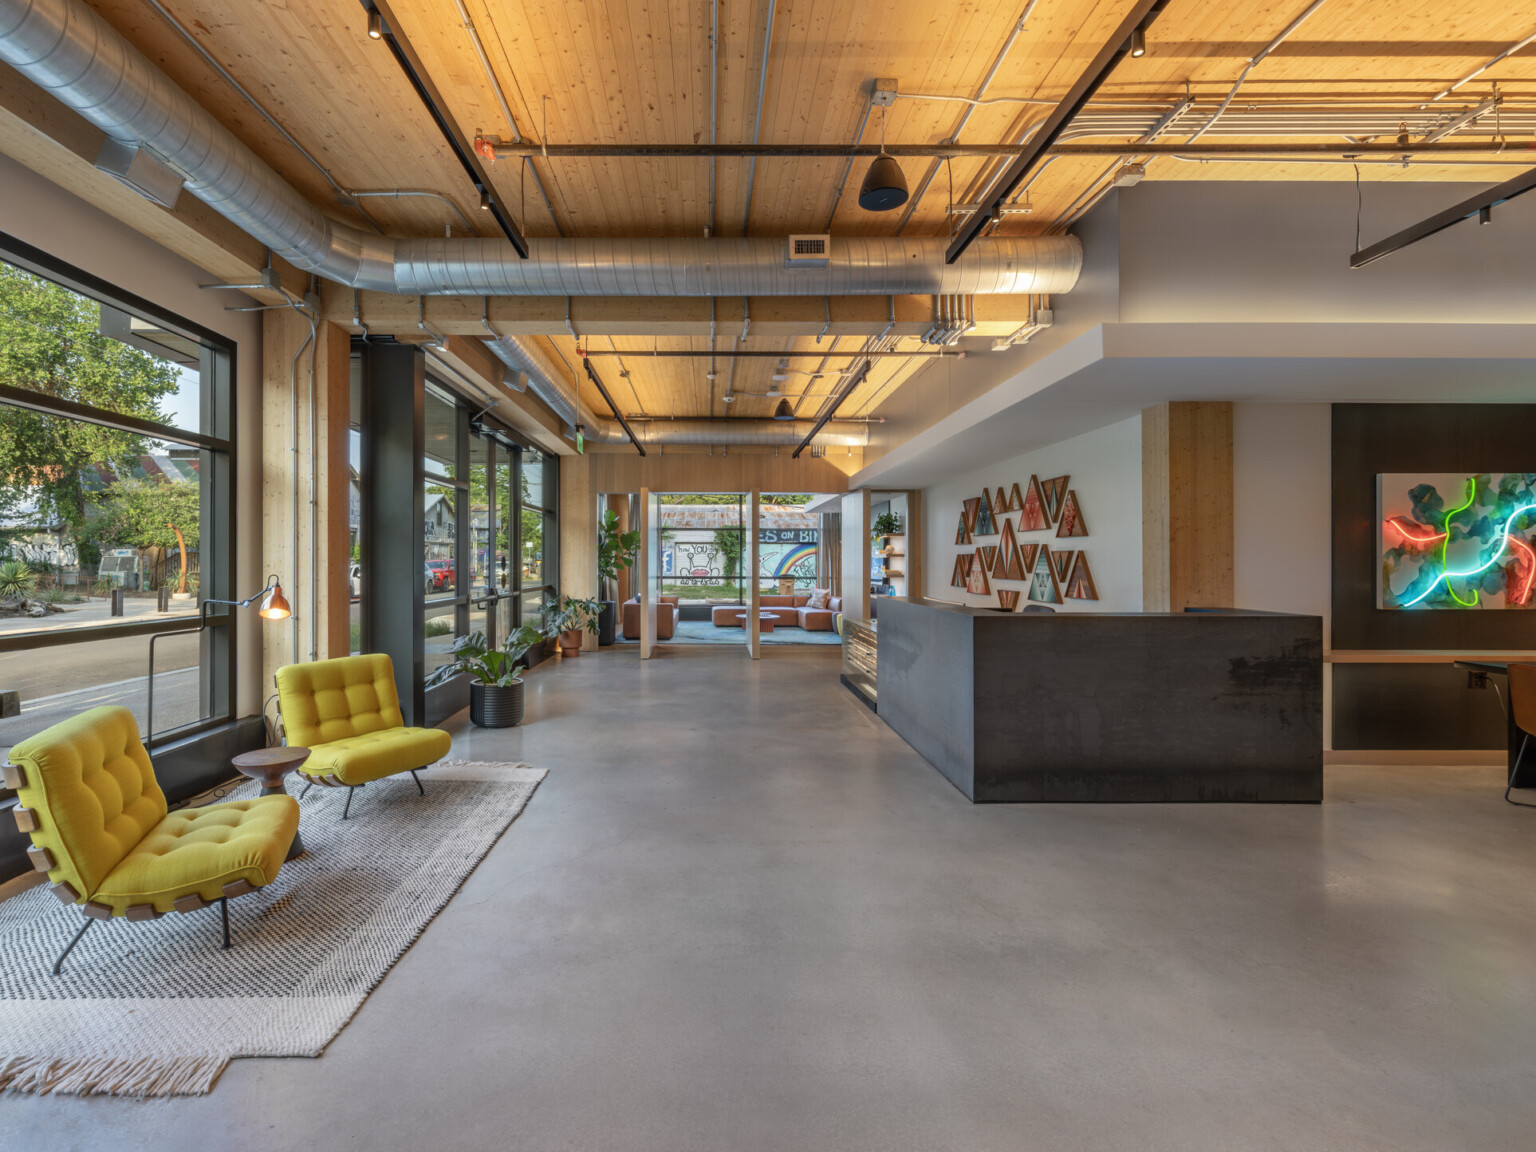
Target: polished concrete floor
742,915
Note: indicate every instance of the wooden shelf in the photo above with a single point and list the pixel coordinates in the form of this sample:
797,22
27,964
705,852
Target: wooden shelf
1417,656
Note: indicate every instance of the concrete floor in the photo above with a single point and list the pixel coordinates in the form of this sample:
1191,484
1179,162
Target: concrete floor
742,915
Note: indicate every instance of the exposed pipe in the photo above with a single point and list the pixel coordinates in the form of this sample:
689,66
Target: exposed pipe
757,124
506,109
736,431
213,63
965,118
404,193
1254,63
1476,72
65,47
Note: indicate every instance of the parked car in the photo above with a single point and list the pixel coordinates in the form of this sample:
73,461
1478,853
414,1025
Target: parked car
355,578
440,575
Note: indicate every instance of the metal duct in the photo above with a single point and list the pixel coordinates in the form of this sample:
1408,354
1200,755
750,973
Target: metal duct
600,429
66,48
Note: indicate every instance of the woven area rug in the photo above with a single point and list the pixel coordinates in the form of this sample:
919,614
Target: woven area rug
157,1009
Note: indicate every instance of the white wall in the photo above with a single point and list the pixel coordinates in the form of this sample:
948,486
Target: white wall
1105,470
47,217
1282,460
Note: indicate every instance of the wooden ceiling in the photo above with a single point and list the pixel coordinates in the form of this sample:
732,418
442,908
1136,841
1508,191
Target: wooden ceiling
641,72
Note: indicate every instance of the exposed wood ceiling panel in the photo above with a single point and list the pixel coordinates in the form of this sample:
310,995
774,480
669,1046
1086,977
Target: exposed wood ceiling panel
639,72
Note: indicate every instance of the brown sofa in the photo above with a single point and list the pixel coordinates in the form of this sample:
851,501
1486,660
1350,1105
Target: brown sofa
788,612
667,613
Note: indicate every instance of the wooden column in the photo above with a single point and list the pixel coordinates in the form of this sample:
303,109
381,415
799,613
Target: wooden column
856,555
618,503
1186,502
578,535
311,559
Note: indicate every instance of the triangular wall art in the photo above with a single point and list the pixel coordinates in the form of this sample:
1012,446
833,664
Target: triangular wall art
962,533
1007,600
969,509
962,569
1042,584
1072,522
976,578
986,524
1053,492
1061,561
1080,584
1032,516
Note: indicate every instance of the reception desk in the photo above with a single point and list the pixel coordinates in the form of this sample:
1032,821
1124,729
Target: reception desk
1198,706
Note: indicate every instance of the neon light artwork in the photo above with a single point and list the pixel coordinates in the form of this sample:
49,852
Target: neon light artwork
1445,551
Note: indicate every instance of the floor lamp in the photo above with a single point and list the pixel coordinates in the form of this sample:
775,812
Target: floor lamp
274,606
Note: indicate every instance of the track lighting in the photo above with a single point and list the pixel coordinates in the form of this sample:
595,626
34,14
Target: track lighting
375,25
485,201
1138,42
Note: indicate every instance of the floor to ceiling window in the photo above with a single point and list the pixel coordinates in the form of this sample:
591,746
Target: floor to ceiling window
115,502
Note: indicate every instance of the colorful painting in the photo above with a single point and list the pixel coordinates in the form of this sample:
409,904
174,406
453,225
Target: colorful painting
963,533
1061,561
985,524
1007,600
989,556
1080,585
1000,558
1043,586
1071,522
1054,492
1032,517
1452,540
962,572
969,511
1015,500
976,577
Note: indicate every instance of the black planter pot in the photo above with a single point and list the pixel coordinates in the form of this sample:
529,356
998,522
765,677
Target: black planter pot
496,705
605,616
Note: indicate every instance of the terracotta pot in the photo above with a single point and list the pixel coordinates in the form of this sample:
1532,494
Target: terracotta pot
570,642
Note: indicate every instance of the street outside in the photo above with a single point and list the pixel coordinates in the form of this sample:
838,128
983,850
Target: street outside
61,681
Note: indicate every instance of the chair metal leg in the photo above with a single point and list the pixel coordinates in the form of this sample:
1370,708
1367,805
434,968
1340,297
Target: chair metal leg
70,947
350,789
1520,755
224,914
417,778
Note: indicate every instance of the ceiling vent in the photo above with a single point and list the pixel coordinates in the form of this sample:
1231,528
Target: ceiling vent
809,251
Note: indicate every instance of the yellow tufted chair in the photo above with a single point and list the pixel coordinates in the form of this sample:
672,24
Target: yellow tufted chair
87,794
347,713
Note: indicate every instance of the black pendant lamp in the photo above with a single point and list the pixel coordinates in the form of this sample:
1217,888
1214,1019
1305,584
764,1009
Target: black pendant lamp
783,411
884,187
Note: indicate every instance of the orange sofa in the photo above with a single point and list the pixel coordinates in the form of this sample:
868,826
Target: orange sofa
788,612
667,613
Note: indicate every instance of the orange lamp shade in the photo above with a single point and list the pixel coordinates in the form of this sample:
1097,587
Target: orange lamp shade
274,605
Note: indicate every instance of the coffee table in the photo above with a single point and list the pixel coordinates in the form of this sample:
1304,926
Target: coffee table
765,620
269,766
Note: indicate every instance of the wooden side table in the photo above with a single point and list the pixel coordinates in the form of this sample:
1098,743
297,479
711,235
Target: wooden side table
268,766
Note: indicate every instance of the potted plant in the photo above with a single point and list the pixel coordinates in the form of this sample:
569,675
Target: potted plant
886,524
568,620
495,686
616,553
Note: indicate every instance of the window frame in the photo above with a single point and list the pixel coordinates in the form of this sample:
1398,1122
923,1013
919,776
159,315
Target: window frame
219,464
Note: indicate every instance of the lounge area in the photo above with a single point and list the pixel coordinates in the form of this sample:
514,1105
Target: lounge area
818,575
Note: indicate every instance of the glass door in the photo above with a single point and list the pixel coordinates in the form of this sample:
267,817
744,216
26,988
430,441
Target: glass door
490,517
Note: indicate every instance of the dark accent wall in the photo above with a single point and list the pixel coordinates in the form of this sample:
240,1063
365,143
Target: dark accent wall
1369,439
1415,706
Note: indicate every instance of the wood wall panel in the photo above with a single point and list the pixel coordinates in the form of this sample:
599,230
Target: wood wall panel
699,472
1187,541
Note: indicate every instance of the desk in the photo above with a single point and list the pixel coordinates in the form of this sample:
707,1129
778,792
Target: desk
1527,777
1106,707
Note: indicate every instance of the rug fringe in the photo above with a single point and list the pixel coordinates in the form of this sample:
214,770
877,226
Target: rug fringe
147,1076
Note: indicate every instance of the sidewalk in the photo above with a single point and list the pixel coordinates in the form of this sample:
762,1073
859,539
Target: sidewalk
95,611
